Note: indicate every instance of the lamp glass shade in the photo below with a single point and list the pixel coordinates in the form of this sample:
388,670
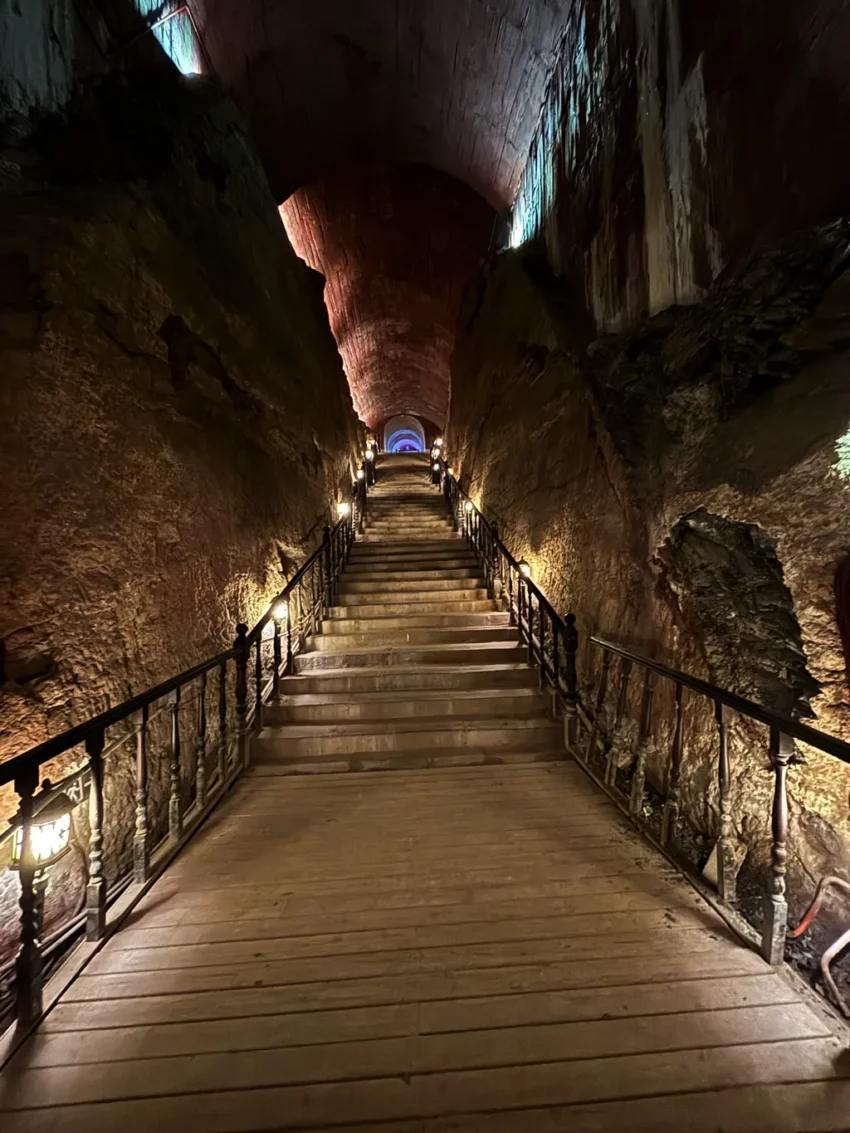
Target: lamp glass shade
279,613
343,508
468,506
361,475
436,468
50,833
370,454
524,569
450,471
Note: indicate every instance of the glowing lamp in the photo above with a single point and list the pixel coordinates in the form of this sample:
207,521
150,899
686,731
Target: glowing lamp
361,475
280,612
468,507
343,508
436,468
438,443
370,455
524,569
50,831
450,471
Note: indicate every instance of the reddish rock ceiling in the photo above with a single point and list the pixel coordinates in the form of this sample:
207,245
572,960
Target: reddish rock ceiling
456,84
397,246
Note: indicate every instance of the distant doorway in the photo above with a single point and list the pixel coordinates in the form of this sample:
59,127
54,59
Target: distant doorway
404,434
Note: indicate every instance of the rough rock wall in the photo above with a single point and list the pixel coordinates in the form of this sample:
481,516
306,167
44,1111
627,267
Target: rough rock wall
732,412
397,246
677,136
175,418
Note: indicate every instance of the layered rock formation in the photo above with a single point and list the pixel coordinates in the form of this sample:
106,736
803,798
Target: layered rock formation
176,421
683,488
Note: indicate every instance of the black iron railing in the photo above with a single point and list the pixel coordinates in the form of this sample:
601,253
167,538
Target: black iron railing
192,732
594,732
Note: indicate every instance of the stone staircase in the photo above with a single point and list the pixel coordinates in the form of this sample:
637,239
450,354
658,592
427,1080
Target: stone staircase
415,667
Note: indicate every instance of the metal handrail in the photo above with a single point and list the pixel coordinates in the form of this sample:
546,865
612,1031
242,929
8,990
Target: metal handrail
243,679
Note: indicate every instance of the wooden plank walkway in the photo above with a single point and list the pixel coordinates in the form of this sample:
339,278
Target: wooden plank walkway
469,949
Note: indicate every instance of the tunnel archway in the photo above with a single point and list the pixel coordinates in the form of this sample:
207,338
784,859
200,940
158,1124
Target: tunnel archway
404,434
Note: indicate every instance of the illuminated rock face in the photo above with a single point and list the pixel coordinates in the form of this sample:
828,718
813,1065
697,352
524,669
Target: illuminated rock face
397,247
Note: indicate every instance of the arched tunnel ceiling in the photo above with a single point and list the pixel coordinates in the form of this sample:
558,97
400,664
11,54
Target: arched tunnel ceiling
455,84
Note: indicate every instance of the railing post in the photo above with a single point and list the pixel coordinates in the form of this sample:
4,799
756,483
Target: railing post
671,805
28,962
529,621
201,745
622,702
96,888
141,852
495,560
541,645
639,778
328,572
726,877
571,679
775,921
222,723
175,795
258,682
600,701
512,613
277,660
240,648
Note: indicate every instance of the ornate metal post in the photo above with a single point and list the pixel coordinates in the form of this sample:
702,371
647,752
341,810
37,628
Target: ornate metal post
327,557
96,888
529,620
541,645
671,805
258,682
28,962
726,874
622,702
277,660
775,905
240,648
222,723
600,702
571,679
141,853
201,745
175,796
639,778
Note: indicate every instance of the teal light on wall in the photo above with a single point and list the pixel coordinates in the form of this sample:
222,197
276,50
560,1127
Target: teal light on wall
172,26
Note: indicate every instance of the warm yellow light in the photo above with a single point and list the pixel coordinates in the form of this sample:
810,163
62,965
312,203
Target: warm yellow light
280,611
342,509
438,442
467,507
370,454
361,475
524,569
50,833
450,471
436,468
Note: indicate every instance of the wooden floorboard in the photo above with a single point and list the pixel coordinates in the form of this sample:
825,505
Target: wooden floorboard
470,949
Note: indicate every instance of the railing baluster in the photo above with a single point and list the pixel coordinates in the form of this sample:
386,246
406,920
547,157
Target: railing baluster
258,682
775,921
556,664
141,852
512,612
571,676
671,805
327,558
201,745
622,703
277,659
28,962
175,798
541,645
639,779
96,888
222,723
600,701
726,879
240,647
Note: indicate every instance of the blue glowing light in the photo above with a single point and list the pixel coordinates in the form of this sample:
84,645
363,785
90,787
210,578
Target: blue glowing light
172,26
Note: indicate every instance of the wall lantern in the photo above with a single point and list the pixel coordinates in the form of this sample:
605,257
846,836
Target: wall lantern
281,612
450,472
361,475
50,830
468,507
438,443
436,468
524,568
370,454
343,508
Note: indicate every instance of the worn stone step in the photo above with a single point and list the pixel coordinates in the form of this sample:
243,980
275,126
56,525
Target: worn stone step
452,588
323,708
411,679
379,576
389,623
336,655
423,635
407,610
421,760
387,736
364,555
397,565
408,545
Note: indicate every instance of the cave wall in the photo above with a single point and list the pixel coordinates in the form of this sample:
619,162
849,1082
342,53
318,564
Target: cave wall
728,418
397,246
643,181
175,418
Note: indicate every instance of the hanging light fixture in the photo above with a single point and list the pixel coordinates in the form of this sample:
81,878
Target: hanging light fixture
370,454
343,508
50,830
438,443
281,611
468,507
524,568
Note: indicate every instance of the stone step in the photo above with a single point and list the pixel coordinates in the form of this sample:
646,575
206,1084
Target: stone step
425,606
377,576
336,655
404,545
457,635
390,625
422,760
327,708
411,679
442,549
389,736
452,588
378,565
